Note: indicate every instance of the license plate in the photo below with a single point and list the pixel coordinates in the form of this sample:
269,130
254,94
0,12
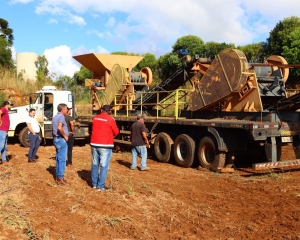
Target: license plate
286,139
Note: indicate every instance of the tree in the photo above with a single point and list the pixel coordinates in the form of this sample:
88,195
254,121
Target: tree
149,60
6,41
253,52
291,50
193,44
124,53
167,64
42,70
275,42
211,49
63,82
79,77
6,32
5,54
171,61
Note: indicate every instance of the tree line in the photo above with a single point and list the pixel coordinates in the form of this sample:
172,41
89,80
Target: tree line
283,40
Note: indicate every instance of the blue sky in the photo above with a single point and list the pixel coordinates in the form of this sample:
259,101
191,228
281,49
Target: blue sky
61,29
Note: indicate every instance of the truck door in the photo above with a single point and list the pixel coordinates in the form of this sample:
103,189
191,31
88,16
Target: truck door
36,102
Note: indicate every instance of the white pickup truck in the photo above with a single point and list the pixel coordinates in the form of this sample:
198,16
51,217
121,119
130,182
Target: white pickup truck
45,103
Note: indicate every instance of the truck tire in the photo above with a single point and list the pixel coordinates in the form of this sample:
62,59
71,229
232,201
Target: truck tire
209,156
184,150
23,137
162,147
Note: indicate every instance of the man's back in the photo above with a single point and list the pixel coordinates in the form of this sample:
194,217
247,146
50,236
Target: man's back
136,133
104,129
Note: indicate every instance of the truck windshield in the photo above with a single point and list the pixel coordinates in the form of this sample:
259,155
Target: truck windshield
33,98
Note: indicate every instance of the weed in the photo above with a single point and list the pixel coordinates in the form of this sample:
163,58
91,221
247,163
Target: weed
45,235
112,221
129,189
216,175
144,185
74,208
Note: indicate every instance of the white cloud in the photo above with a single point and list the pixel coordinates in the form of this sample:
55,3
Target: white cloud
13,53
75,20
61,61
52,21
100,49
155,25
60,11
95,32
163,22
20,1
111,22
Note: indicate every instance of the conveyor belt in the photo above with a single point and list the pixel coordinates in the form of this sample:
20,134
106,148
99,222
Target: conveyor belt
173,82
290,104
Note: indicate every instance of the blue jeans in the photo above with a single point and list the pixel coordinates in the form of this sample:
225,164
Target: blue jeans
3,144
142,151
61,147
100,159
34,141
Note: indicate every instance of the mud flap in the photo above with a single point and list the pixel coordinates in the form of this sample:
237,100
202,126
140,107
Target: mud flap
271,150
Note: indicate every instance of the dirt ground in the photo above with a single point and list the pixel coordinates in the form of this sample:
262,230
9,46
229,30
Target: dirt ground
166,202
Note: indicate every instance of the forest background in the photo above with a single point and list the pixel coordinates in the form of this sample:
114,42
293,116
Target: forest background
283,40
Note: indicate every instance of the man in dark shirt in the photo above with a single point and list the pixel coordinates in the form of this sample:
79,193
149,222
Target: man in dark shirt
139,142
71,128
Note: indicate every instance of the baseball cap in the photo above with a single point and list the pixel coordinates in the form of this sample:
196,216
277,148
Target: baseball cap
7,103
141,116
105,108
69,108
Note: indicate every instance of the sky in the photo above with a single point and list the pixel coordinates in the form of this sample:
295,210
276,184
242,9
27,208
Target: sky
60,29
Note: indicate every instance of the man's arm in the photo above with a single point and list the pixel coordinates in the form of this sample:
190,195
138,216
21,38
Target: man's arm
146,138
61,130
115,129
30,128
72,125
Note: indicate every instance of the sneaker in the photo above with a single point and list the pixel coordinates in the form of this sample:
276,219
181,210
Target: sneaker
5,163
94,186
103,189
132,168
144,169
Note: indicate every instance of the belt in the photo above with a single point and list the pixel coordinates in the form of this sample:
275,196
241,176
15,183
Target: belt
57,136
35,133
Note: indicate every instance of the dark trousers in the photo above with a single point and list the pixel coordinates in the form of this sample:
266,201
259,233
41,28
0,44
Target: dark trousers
70,148
34,141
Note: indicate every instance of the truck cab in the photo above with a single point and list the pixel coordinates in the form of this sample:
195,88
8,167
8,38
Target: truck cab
45,103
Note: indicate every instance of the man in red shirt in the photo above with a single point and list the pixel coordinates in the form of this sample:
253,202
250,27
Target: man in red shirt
104,129
4,126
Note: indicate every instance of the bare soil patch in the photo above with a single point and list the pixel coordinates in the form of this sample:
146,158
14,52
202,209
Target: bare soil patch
166,202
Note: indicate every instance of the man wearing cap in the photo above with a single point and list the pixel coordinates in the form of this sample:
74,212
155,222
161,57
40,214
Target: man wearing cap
34,135
104,129
71,128
60,138
139,142
4,126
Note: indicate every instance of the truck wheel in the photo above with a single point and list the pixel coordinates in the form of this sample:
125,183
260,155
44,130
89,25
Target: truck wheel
23,137
209,156
162,147
184,150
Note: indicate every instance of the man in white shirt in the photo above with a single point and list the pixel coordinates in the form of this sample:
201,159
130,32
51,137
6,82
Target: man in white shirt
34,136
